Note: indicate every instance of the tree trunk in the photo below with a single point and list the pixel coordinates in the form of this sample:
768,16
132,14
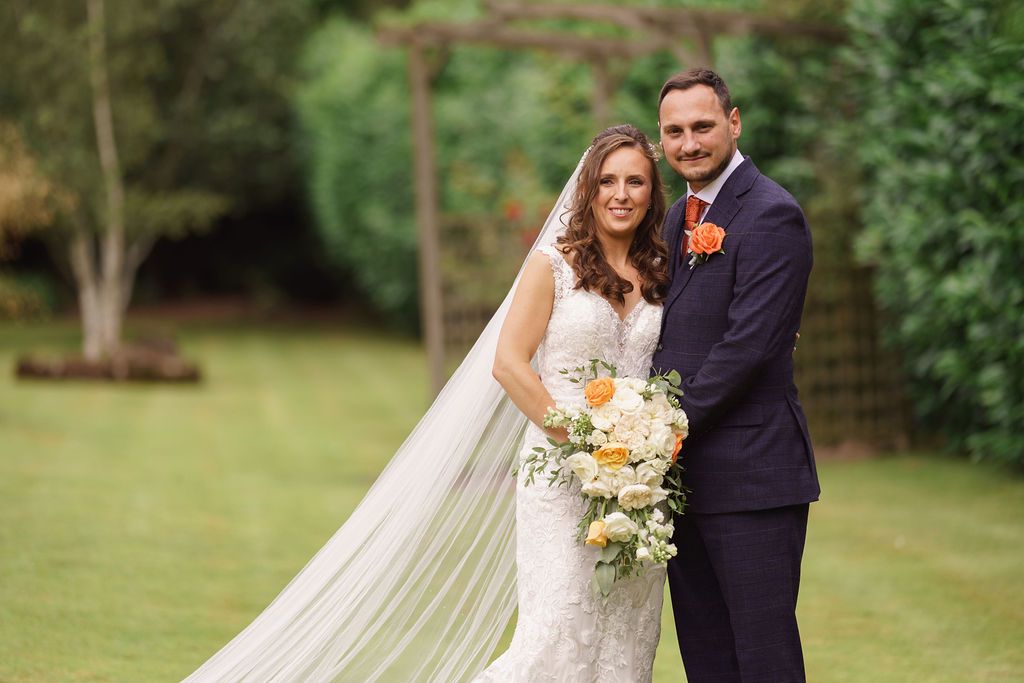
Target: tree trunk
83,268
110,287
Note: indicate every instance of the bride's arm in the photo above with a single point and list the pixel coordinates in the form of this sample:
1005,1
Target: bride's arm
520,336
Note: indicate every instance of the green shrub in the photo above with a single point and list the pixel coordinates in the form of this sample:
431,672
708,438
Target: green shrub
25,297
942,146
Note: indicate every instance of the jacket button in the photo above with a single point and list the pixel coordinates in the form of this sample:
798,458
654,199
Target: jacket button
660,347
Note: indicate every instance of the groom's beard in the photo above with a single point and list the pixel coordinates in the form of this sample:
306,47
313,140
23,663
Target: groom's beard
705,177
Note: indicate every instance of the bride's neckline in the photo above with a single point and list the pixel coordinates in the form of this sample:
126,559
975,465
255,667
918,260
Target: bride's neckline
622,319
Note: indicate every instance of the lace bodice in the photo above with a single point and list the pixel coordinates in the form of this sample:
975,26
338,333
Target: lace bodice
583,326
565,633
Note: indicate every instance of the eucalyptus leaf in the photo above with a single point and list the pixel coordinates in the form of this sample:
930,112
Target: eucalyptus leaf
611,551
604,576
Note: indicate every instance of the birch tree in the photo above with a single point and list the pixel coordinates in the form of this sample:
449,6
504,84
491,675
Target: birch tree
153,120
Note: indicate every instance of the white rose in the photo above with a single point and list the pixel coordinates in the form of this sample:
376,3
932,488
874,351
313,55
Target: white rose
633,439
681,423
634,422
597,438
635,384
597,489
659,465
627,400
658,494
583,465
619,527
659,409
616,479
634,496
647,474
662,439
642,453
643,554
605,416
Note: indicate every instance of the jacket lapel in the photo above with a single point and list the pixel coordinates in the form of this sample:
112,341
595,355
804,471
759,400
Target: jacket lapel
727,204
674,228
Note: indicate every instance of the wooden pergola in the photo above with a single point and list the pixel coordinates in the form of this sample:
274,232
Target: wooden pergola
688,34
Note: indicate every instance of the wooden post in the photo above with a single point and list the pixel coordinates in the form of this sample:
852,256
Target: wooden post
603,89
427,215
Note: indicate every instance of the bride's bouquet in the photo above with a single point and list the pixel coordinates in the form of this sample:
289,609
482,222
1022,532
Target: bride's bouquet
622,449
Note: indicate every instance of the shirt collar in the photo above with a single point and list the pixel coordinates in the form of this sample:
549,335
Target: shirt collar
710,191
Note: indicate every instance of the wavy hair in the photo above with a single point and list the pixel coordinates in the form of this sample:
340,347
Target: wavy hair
648,252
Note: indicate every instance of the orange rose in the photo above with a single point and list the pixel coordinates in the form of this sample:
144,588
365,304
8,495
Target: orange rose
612,455
599,391
595,534
679,446
706,238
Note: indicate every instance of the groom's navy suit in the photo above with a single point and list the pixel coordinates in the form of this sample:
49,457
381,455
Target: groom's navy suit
728,328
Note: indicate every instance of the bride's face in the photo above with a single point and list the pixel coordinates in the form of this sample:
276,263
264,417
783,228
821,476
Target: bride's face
623,192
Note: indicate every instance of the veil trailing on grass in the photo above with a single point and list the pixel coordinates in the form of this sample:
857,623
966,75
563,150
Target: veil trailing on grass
419,583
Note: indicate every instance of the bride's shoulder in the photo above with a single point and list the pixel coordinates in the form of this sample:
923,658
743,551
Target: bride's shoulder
557,256
550,263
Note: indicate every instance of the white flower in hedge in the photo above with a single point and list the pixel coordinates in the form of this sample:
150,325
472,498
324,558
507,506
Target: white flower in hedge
597,438
643,554
598,489
583,465
647,474
605,416
619,527
627,400
662,438
634,496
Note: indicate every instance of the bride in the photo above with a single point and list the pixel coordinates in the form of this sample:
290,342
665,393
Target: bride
421,581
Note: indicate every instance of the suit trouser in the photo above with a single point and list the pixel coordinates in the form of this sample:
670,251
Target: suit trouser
734,587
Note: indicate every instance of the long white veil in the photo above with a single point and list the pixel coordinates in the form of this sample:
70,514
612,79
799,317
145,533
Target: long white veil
419,583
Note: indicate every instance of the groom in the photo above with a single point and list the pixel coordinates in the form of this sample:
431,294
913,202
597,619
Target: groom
728,328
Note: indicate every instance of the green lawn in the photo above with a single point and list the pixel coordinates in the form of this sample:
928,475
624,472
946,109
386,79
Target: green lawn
142,526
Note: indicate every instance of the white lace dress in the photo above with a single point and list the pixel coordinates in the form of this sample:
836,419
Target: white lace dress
565,632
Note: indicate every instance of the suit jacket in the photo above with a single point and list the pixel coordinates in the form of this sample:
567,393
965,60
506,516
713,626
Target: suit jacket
728,328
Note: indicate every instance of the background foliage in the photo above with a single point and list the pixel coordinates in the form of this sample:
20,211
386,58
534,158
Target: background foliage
941,144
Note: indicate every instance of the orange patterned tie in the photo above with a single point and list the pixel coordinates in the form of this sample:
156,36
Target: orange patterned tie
694,207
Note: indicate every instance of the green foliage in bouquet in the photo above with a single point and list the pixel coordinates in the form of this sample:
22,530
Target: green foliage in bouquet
942,149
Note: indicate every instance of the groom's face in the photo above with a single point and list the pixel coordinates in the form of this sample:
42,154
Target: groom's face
697,136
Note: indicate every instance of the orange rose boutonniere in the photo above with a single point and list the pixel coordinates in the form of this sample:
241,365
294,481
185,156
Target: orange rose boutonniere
705,239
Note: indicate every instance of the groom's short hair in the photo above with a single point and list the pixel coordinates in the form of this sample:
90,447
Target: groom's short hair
691,77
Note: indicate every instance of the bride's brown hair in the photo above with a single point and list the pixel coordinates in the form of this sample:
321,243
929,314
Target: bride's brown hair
648,252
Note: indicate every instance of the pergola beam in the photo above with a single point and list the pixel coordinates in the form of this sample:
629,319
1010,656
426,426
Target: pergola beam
688,21
500,35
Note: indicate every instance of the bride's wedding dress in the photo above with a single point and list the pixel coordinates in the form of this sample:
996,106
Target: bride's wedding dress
565,631
421,580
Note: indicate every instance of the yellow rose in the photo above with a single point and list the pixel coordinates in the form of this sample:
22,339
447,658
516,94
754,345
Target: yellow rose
612,455
595,534
599,391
